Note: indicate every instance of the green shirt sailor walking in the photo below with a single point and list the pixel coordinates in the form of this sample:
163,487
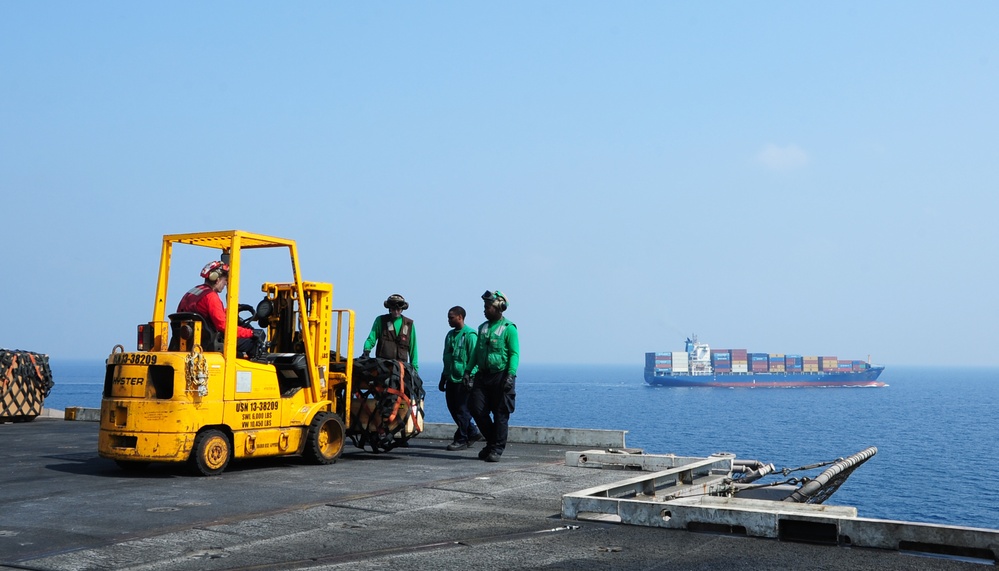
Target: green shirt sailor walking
494,374
459,344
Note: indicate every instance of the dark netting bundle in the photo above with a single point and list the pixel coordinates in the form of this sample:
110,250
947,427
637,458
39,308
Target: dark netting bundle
25,381
386,404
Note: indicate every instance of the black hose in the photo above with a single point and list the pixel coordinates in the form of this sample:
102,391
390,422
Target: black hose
831,474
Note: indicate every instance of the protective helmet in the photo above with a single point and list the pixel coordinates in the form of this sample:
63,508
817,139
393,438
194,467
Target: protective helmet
396,301
214,270
496,298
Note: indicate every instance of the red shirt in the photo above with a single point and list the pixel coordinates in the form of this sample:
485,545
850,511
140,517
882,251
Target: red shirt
205,301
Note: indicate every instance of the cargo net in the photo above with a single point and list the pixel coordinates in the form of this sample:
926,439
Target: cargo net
387,404
25,381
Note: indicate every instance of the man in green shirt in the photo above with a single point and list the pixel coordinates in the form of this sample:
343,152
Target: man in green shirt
459,343
394,334
493,376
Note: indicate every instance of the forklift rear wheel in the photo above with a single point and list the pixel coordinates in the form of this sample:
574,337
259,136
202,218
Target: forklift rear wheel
325,439
211,453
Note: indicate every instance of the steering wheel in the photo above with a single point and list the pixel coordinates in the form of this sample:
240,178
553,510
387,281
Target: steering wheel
264,311
245,322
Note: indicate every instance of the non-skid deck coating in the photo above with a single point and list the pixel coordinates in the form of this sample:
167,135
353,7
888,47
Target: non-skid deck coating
420,507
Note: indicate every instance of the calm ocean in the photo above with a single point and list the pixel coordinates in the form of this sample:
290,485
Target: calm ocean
935,428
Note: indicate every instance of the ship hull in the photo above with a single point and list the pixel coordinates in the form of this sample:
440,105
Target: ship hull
865,378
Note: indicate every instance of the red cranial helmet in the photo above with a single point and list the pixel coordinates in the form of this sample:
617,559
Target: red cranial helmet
214,270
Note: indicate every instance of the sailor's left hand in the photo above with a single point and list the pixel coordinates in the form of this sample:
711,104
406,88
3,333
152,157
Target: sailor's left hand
509,382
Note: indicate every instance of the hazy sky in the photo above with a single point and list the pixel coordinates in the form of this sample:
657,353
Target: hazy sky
787,177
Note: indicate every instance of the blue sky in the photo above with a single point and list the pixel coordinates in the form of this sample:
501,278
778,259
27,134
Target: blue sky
789,177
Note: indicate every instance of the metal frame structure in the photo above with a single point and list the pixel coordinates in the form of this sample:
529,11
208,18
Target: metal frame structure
680,493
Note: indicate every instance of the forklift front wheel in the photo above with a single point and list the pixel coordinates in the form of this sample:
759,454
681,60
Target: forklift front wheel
325,439
211,453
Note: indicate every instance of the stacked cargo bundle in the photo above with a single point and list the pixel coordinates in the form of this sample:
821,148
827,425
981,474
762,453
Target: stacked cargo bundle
828,364
777,363
793,363
721,360
740,361
388,400
25,381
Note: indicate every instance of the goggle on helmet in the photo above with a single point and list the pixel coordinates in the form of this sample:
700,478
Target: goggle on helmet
396,301
496,298
214,270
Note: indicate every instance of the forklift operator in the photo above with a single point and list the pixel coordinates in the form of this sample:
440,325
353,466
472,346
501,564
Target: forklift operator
204,300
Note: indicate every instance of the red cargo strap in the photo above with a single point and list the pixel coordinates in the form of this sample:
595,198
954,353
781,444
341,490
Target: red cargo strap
38,371
401,393
9,373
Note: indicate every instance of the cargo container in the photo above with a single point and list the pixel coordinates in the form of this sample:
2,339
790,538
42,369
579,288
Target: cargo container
681,362
759,362
720,356
776,363
828,364
793,363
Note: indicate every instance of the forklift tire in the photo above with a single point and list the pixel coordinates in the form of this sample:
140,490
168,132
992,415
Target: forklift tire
211,454
325,439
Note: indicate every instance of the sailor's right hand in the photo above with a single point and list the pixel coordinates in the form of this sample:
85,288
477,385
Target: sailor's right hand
442,386
261,335
366,354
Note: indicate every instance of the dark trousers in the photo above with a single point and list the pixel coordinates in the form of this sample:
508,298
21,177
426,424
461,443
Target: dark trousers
457,404
488,397
247,346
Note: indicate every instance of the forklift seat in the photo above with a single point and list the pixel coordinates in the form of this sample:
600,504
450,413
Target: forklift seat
211,340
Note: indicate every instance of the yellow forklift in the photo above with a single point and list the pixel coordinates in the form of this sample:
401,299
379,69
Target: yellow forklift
186,395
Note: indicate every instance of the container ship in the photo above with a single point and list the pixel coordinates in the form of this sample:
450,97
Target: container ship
701,366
